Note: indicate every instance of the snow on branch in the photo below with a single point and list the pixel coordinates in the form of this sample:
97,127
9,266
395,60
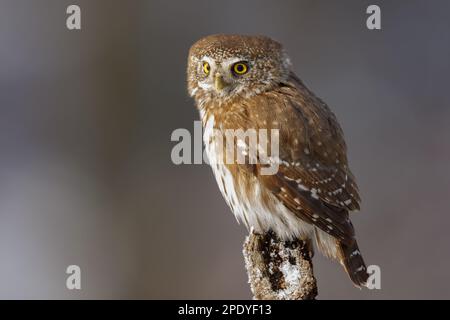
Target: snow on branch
279,270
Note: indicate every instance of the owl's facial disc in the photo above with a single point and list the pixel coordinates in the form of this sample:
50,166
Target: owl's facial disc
222,77
227,66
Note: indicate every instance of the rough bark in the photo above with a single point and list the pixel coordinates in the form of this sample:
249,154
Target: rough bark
279,270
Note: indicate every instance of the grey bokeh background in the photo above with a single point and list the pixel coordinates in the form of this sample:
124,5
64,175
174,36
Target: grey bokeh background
85,123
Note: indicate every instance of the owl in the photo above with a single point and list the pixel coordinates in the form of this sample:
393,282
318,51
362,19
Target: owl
247,82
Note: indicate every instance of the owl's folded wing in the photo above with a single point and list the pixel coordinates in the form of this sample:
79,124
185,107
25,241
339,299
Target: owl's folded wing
313,179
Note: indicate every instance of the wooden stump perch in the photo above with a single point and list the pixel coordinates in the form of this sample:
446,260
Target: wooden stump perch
279,270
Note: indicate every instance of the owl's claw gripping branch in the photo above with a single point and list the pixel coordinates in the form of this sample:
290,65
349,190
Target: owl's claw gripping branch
279,270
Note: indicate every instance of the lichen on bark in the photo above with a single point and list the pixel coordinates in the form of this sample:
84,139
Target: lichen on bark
279,270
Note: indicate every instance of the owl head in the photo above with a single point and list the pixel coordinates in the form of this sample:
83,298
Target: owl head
226,66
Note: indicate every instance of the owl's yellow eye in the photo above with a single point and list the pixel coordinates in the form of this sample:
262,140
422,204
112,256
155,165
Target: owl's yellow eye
206,67
240,68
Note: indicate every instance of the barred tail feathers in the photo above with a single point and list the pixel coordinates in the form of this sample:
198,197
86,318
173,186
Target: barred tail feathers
347,254
353,262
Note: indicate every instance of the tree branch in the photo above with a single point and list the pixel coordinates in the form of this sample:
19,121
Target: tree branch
279,270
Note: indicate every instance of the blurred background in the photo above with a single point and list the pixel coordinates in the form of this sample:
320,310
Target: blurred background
85,122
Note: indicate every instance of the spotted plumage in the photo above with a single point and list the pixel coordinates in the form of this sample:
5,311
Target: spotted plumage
247,83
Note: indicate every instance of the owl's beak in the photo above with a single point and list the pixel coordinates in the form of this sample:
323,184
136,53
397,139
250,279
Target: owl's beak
219,82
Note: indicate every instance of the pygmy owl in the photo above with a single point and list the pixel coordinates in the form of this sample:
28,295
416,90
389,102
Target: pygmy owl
247,82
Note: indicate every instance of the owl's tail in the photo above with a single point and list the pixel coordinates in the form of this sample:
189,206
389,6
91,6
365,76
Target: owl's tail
353,262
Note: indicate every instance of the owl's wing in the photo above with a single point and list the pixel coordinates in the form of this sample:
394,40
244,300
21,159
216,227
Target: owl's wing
313,179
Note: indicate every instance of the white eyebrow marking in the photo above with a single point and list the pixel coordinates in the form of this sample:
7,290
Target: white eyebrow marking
208,59
229,61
